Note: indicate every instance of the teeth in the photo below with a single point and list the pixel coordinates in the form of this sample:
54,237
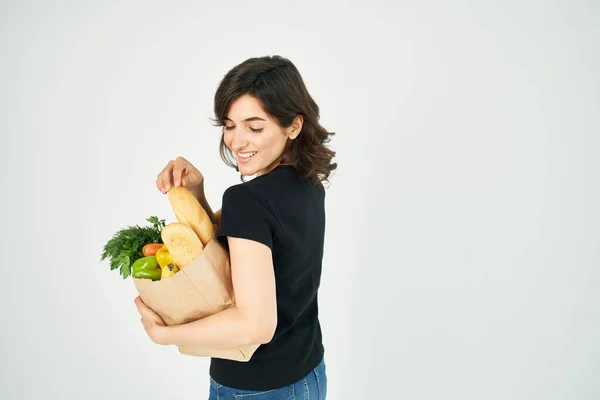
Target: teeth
246,155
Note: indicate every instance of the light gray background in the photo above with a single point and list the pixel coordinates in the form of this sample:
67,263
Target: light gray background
462,246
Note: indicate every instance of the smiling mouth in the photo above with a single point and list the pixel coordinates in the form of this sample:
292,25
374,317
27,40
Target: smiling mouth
246,156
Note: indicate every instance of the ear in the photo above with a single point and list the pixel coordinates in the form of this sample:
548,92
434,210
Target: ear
296,127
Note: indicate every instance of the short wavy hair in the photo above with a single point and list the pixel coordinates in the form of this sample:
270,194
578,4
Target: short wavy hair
277,84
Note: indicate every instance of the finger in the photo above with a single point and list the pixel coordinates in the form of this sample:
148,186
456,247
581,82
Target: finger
164,181
167,176
179,171
160,181
141,306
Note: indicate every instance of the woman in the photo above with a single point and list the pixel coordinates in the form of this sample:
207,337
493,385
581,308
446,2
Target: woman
273,227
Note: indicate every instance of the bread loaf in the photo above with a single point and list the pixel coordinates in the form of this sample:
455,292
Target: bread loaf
182,242
188,211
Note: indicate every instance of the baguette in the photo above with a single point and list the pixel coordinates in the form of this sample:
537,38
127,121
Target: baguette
188,210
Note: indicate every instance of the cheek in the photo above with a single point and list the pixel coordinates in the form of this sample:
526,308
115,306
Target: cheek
227,140
273,142
280,142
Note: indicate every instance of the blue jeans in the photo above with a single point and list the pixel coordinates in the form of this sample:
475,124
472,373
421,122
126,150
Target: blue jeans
312,387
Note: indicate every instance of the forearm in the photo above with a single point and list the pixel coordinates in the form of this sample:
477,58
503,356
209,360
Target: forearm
226,329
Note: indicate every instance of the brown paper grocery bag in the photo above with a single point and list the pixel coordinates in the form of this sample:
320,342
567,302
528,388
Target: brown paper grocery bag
201,288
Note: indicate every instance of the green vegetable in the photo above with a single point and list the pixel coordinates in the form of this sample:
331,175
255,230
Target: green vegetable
147,268
125,247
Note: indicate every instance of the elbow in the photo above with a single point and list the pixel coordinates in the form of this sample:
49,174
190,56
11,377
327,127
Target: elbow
263,330
265,336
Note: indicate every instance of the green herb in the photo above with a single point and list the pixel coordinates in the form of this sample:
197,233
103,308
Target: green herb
126,245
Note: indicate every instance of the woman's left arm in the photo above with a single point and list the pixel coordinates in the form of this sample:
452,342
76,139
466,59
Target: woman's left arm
253,318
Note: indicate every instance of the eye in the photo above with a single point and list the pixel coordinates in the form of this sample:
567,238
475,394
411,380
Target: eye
228,128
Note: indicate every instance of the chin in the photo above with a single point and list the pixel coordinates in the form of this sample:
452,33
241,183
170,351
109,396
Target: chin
247,171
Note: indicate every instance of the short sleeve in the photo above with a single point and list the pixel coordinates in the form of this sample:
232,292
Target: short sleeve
247,215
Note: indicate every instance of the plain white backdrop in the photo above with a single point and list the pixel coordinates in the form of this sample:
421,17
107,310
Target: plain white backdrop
462,249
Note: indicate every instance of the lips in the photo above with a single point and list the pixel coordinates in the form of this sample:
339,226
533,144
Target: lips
248,156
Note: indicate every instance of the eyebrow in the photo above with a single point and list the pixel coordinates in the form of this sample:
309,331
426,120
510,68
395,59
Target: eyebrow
248,119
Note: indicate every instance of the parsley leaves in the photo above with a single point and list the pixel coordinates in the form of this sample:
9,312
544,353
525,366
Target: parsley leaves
126,245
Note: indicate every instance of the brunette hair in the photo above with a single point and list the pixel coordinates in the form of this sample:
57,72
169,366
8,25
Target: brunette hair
276,83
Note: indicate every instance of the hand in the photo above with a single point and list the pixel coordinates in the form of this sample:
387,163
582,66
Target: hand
179,172
152,322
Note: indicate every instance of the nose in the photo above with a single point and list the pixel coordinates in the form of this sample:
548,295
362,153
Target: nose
239,140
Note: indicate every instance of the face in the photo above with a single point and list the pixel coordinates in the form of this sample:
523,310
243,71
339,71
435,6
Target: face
255,139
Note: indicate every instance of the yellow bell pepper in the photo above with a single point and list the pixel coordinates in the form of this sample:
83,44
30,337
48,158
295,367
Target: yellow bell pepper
164,257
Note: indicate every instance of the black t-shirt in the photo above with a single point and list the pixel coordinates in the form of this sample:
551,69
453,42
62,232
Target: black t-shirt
287,214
